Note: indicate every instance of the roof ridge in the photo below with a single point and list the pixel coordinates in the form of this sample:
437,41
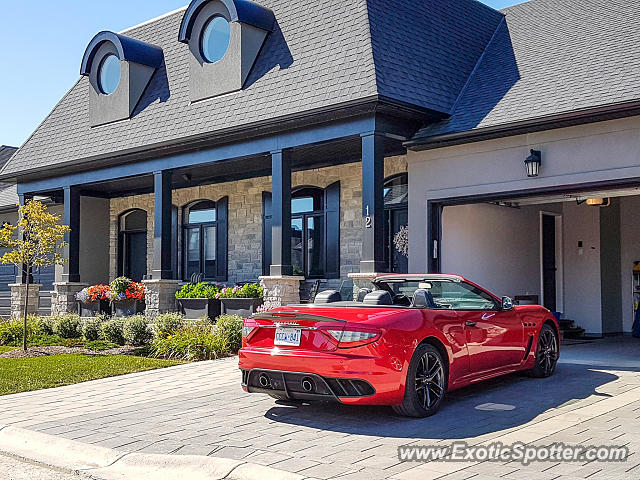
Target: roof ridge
477,65
155,19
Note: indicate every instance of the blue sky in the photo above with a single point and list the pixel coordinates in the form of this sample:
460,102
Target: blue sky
54,34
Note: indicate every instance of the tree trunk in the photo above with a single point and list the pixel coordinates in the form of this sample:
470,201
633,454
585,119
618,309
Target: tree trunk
26,310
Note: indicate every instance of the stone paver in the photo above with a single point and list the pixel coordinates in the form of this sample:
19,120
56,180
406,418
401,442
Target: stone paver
200,409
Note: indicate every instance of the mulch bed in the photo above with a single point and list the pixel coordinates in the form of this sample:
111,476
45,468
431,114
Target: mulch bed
59,350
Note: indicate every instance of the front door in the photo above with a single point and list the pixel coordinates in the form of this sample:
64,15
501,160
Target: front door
395,255
135,256
549,267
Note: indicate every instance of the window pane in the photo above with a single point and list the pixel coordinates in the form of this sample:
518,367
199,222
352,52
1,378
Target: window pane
202,216
193,252
109,74
297,252
461,296
210,252
135,220
215,39
315,246
301,205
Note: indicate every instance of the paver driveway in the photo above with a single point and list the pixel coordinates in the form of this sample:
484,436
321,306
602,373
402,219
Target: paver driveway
200,409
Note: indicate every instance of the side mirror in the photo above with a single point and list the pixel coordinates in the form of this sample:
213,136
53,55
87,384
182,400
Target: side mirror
507,303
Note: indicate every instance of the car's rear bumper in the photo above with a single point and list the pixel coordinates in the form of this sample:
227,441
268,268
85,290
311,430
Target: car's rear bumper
345,376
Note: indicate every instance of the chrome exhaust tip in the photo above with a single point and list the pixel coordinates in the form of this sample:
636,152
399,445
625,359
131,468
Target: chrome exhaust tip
264,381
307,384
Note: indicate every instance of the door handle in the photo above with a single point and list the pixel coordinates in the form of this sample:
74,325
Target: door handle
470,324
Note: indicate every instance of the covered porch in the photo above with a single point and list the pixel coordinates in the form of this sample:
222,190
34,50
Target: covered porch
222,213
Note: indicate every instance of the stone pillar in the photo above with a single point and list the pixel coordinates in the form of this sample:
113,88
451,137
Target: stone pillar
19,297
281,290
362,280
63,297
160,296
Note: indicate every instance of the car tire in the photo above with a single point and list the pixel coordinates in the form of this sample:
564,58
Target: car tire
546,353
426,385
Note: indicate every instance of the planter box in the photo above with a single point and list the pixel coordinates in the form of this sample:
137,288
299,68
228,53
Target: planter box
195,308
93,309
128,308
243,307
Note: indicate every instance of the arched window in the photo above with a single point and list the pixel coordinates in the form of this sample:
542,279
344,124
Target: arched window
307,232
396,216
200,239
204,239
315,231
132,244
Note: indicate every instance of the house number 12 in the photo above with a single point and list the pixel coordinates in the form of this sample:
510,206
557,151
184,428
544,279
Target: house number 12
368,221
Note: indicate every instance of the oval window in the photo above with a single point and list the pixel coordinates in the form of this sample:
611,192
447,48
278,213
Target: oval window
109,74
215,39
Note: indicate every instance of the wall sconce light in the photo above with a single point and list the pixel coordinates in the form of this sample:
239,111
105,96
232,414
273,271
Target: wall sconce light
533,163
598,202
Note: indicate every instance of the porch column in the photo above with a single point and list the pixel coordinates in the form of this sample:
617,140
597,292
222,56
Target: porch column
63,297
372,260
162,268
161,288
71,268
281,214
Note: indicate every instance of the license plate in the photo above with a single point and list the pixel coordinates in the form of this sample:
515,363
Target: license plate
288,336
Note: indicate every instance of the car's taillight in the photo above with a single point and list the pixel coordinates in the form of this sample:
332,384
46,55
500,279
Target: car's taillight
354,338
248,328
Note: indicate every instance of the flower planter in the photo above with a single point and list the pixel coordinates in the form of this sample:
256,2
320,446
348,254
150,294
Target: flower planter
195,308
128,307
93,308
243,307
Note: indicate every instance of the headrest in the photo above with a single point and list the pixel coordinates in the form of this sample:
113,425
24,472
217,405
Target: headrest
422,299
328,296
363,292
379,297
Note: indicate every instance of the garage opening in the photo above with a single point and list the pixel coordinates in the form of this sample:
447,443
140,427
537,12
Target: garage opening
576,253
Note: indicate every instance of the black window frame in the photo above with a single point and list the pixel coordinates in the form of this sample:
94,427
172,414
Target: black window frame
201,226
317,214
122,235
388,218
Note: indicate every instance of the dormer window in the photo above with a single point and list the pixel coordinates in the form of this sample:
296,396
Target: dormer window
109,74
119,69
224,39
216,36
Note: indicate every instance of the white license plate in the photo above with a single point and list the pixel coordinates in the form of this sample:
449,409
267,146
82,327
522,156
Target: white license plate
288,336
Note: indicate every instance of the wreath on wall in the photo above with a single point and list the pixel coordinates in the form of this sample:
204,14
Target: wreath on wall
401,241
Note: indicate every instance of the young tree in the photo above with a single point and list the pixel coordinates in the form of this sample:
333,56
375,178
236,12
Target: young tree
38,243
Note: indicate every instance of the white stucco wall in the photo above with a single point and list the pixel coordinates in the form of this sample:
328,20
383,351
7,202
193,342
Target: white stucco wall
630,245
599,152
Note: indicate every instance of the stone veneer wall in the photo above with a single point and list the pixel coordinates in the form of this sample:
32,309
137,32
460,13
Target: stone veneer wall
245,216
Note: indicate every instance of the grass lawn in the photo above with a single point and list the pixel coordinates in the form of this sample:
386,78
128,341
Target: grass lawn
5,349
26,374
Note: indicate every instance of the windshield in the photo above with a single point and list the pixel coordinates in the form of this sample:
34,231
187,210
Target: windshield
446,294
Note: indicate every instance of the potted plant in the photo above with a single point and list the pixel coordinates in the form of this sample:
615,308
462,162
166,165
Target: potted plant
242,301
93,300
127,296
199,300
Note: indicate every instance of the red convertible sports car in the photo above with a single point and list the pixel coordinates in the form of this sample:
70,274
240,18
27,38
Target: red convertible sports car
405,344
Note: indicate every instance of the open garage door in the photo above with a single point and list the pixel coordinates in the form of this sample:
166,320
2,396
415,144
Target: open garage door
573,252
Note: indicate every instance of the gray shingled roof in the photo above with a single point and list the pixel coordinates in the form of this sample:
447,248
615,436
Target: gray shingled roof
551,57
8,191
320,56
5,153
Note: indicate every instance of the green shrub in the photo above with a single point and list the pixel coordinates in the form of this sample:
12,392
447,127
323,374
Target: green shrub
137,331
119,285
199,290
248,290
67,326
198,341
166,324
229,327
112,331
11,331
91,329
43,325
100,345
